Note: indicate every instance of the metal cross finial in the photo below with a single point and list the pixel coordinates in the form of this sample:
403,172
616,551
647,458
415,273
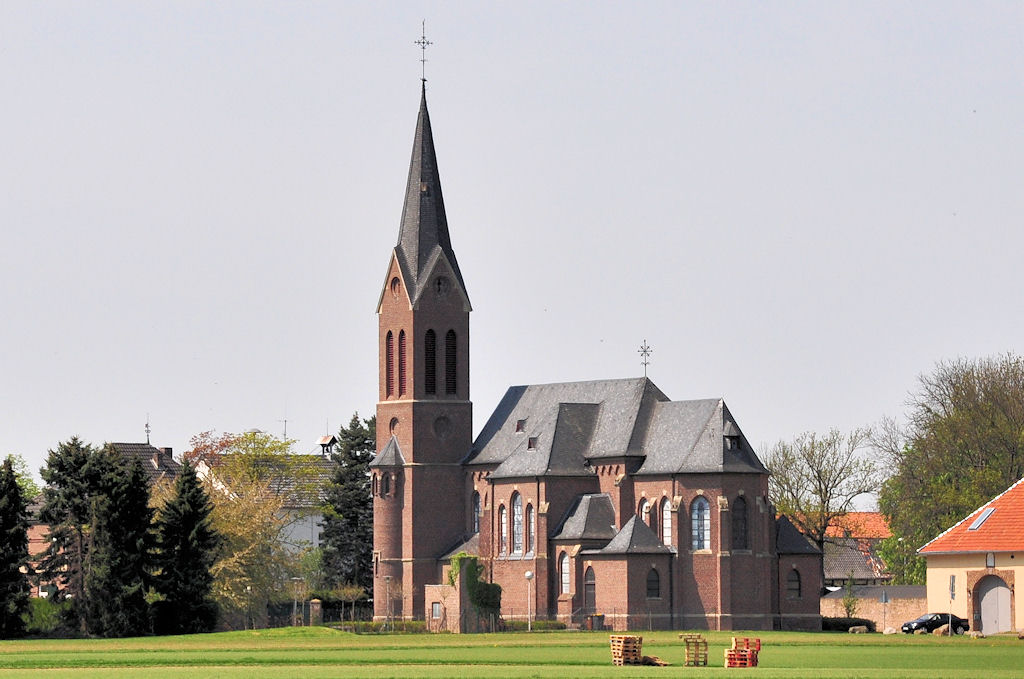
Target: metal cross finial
645,354
147,429
423,43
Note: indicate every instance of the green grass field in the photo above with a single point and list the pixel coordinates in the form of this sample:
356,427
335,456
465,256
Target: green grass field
311,653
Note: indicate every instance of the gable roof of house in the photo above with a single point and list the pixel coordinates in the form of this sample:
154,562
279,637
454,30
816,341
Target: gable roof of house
158,463
996,526
846,556
562,428
859,525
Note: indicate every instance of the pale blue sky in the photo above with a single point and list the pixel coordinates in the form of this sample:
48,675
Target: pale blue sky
800,205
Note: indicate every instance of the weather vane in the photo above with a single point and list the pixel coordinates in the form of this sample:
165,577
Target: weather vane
645,355
423,43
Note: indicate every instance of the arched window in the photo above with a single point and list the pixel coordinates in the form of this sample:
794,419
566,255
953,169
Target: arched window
389,364
517,523
401,363
653,584
476,512
589,592
793,585
430,362
563,571
385,485
531,529
739,523
373,491
451,354
700,524
666,521
645,511
503,528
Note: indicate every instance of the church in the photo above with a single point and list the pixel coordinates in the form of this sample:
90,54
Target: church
602,500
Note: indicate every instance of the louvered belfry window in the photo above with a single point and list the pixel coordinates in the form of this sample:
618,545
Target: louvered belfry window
450,357
401,363
389,364
430,362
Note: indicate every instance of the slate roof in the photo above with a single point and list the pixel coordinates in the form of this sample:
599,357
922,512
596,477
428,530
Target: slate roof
391,456
157,463
575,423
1002,531
592,517
423,235
470,546
304,492
789,540
844,556
636,537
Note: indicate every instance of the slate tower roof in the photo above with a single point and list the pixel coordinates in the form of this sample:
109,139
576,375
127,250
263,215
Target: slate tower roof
423,234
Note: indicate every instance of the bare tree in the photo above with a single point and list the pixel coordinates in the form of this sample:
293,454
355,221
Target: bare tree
815,478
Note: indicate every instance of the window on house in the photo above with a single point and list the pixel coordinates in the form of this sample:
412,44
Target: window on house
531,443
517,524
430,362
401,363
653,584
389,364
700,524
451,355
531,529
435,610
793,585
520,425
563,571
666,521
476,512
503,529
645,511
739,523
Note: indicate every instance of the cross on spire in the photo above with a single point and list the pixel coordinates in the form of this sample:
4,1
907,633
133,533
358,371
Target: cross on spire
423,44
645,354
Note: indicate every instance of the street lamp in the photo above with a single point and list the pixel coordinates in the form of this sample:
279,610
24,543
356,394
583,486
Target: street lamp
529,603
248,608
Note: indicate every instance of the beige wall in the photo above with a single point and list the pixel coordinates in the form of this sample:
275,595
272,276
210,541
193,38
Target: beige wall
969,569
892,614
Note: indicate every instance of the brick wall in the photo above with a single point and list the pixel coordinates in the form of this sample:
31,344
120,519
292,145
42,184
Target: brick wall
893,614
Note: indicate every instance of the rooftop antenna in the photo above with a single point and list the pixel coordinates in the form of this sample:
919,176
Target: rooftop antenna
423,43
147,429
645,355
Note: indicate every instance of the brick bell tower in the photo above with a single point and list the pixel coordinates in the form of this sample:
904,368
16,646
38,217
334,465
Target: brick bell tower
424,415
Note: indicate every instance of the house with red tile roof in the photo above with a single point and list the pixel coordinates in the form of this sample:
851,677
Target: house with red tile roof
973,566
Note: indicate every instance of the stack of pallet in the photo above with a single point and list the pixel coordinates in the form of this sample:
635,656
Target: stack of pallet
696,650
743,652
626,649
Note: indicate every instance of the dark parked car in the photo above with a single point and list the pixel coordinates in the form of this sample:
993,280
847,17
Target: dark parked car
933,621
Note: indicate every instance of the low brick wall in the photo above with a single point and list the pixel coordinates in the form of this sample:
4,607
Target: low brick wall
895,613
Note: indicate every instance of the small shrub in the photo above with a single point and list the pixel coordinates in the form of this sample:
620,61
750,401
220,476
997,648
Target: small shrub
844,624
538,625
45,617
381,627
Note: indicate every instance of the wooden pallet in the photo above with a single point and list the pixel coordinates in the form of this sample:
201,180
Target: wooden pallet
696,650
626,649
743,653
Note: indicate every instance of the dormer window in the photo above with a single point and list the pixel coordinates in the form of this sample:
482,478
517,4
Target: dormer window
531,443
520,426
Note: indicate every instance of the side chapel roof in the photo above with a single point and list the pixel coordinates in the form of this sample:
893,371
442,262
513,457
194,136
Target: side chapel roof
592,517
636,537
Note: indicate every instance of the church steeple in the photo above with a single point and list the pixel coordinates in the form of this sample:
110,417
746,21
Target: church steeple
423,235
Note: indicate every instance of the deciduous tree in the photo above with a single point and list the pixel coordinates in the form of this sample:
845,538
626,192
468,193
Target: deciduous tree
962,444
815,479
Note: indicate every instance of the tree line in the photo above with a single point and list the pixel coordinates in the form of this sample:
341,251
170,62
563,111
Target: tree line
128,558
961,444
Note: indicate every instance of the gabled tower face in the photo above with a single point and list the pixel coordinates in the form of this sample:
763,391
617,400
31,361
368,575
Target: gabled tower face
424,415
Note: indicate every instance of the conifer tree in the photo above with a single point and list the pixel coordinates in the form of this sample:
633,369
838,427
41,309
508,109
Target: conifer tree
121,554
73,479
348,517
14,586
187,548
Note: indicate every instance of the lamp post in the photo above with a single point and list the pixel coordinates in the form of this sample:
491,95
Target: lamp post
248,608
529,602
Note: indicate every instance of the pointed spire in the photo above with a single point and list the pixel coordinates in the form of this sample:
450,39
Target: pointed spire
423,234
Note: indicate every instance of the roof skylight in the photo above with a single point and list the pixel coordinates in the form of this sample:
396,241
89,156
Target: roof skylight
982,519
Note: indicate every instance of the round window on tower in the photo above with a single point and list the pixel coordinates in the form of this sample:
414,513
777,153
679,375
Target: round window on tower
442,285
396,286
442,427
393,426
